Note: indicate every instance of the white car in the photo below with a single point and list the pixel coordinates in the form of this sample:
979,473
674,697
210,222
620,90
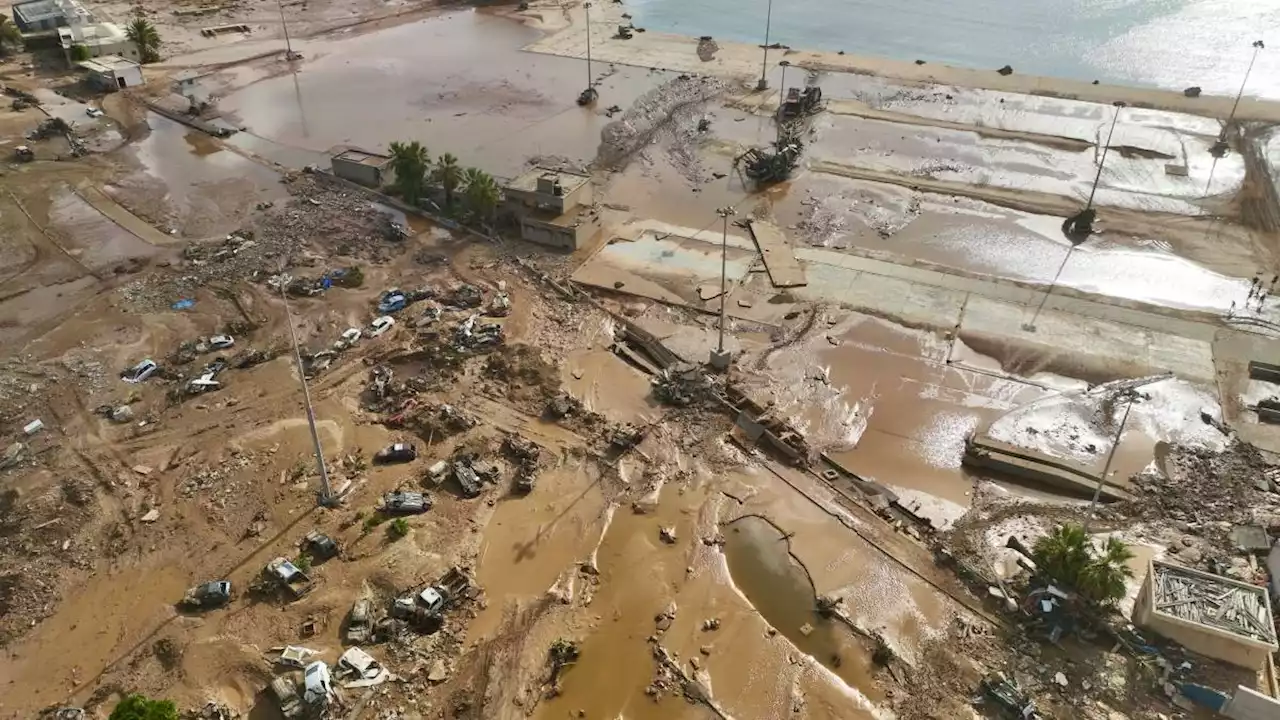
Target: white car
381,325
93,112
140,372
317,684
221,342
351,336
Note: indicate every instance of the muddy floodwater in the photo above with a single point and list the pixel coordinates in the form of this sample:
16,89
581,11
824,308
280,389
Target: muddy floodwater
779,588
458,83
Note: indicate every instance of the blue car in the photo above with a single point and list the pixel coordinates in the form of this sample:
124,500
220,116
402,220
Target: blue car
392,301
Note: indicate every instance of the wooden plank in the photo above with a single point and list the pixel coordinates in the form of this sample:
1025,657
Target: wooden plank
779,258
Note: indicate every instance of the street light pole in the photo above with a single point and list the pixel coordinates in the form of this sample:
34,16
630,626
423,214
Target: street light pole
326,490
1102,161
764,62
288,47
590,83
1220,148
1132,395
719,358
782,91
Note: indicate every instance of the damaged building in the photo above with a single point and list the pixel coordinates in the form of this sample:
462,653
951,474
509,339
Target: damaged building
1209,614
553,208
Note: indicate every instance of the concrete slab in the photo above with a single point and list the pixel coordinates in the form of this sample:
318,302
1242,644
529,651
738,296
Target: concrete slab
779,257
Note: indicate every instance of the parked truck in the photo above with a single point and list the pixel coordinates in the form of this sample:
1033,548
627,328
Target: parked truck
288,577
425,608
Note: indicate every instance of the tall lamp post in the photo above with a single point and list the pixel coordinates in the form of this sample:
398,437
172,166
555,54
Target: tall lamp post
1130,397
720,358
288,47
1220,148
589,95
782,91
326,490
764,62
1078,227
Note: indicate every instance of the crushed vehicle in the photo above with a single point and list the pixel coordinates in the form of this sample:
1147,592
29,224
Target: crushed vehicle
464,296
360,623
1008,696
349,337
221,342
284,575
208,595
425,607
472,334
317,684
405,503
525,454
396,453
381,325
392,301
380,381
320,547
140,372
624,436
284,690
24,153
467,478
499,306
562,406
429,315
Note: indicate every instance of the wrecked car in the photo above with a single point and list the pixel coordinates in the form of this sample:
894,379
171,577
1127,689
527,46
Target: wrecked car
381,325
392,301
221,342
288,577
396,453
208,595
360,624
405,503
284,690
317,684
320,546
140,372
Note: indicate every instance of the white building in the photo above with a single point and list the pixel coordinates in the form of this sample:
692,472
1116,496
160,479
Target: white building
113,72
99,38
37,16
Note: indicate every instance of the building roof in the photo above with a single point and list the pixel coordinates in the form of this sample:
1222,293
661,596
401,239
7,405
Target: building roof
1212,601
37,10
363,157
528,182
106,33
108,64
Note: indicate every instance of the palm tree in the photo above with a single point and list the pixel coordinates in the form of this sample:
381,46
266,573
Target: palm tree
10,36
1067,556
1063,553
1103,579
449,175
481,193
409,162
143,34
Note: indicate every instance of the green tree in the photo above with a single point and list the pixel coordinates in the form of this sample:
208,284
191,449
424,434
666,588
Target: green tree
79,53
1103,579
10,36
481,193
1067,556
409,162
398,528
143,34
448,175
138,707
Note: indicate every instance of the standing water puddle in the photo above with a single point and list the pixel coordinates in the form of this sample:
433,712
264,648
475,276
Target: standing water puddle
779,588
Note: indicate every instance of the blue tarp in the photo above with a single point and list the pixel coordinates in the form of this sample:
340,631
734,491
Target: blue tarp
1203,696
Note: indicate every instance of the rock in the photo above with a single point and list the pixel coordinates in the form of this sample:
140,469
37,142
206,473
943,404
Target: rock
1192,92
1060,679
122,414
1190,556
711,624
152,515
437,673
695,663
667,535
142,469
1006,70
705,650
1188,541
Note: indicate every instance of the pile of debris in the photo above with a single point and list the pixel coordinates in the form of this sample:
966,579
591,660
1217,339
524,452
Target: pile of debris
50,127
668,115
434,421
211,711
473,336
1208,489
681,385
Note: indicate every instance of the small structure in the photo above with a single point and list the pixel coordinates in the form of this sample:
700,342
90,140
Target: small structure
38,16
1212,615
553,208
363,166
113,72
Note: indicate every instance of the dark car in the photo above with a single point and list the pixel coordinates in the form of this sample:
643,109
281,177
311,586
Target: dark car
320,546
209,595
397,453
405,503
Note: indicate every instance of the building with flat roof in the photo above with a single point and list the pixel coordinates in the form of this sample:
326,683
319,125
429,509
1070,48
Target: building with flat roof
362,166
45,15
100,39
553,207
1208,614
112,72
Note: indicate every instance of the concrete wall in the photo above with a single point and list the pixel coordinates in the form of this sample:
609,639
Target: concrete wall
518,200
367,175
557,236
1249,704
1195,637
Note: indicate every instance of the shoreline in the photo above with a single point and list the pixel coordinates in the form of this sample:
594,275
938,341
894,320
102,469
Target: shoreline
743,61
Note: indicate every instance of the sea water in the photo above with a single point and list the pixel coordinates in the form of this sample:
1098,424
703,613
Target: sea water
1170,44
